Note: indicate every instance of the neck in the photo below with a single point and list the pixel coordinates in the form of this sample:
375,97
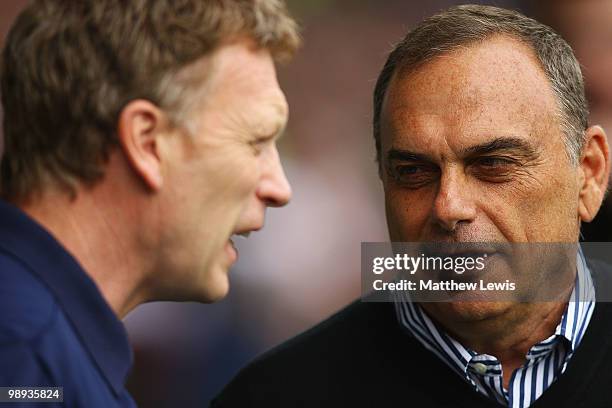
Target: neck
508,335
94,228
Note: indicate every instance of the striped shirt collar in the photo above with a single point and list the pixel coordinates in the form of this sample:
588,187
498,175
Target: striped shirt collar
546,360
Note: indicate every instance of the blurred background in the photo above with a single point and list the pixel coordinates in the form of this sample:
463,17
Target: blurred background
304,265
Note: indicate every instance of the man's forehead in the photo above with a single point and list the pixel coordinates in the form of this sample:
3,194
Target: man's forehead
494,85
244,81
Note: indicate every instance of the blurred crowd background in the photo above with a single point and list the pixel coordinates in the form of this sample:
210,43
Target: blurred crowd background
305,264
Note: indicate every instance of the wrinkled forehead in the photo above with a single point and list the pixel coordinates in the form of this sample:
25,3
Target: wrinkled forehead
493,86
248,77
242,88
244,63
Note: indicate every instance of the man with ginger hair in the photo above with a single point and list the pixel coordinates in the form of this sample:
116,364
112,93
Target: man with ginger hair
481,132
139,137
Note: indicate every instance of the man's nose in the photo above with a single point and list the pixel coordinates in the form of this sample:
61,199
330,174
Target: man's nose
274,188
454,203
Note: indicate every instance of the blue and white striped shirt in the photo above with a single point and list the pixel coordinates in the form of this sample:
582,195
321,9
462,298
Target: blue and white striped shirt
546,360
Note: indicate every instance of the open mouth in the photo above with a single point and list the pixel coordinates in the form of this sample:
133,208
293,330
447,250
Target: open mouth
238,237
230,248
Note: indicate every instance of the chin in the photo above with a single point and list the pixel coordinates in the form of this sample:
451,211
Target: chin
215,286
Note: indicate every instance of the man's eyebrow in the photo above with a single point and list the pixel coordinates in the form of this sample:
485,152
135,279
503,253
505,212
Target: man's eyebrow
406,155
501,143
273,129
281,128
495,145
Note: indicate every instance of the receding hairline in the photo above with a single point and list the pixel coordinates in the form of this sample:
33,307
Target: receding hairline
460,25
405,72
197,78
406,69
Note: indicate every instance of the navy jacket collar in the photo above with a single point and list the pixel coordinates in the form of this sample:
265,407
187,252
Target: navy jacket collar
94,321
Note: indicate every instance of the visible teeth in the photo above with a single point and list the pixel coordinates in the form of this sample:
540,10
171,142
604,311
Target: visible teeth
243,235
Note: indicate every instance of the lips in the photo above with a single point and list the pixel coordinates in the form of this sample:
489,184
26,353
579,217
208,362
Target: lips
473,255
230,248
245,232
239,233
460,249
231,251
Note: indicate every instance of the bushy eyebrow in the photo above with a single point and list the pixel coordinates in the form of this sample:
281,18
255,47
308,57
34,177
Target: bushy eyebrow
515,144
279,130
509,144
405,155
274,129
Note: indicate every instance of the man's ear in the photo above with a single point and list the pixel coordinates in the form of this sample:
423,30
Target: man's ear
595,169
140,126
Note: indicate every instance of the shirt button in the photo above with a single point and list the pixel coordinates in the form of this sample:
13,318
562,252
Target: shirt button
480,368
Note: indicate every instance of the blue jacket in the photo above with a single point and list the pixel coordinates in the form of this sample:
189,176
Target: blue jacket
56,329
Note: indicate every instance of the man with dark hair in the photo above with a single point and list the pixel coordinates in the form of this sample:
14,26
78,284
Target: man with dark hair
139,137
480,123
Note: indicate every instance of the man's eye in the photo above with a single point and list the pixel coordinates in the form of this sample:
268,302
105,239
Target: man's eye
494,169
412,175
494,162
408,170
259,145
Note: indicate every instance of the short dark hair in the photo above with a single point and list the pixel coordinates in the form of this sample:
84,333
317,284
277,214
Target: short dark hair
70,66
467,24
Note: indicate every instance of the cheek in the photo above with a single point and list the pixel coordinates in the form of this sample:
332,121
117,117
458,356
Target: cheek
249,176
542,211
407,212
240,188
558,210
238,170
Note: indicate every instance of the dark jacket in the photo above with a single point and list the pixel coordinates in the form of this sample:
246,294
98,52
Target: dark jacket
361,357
